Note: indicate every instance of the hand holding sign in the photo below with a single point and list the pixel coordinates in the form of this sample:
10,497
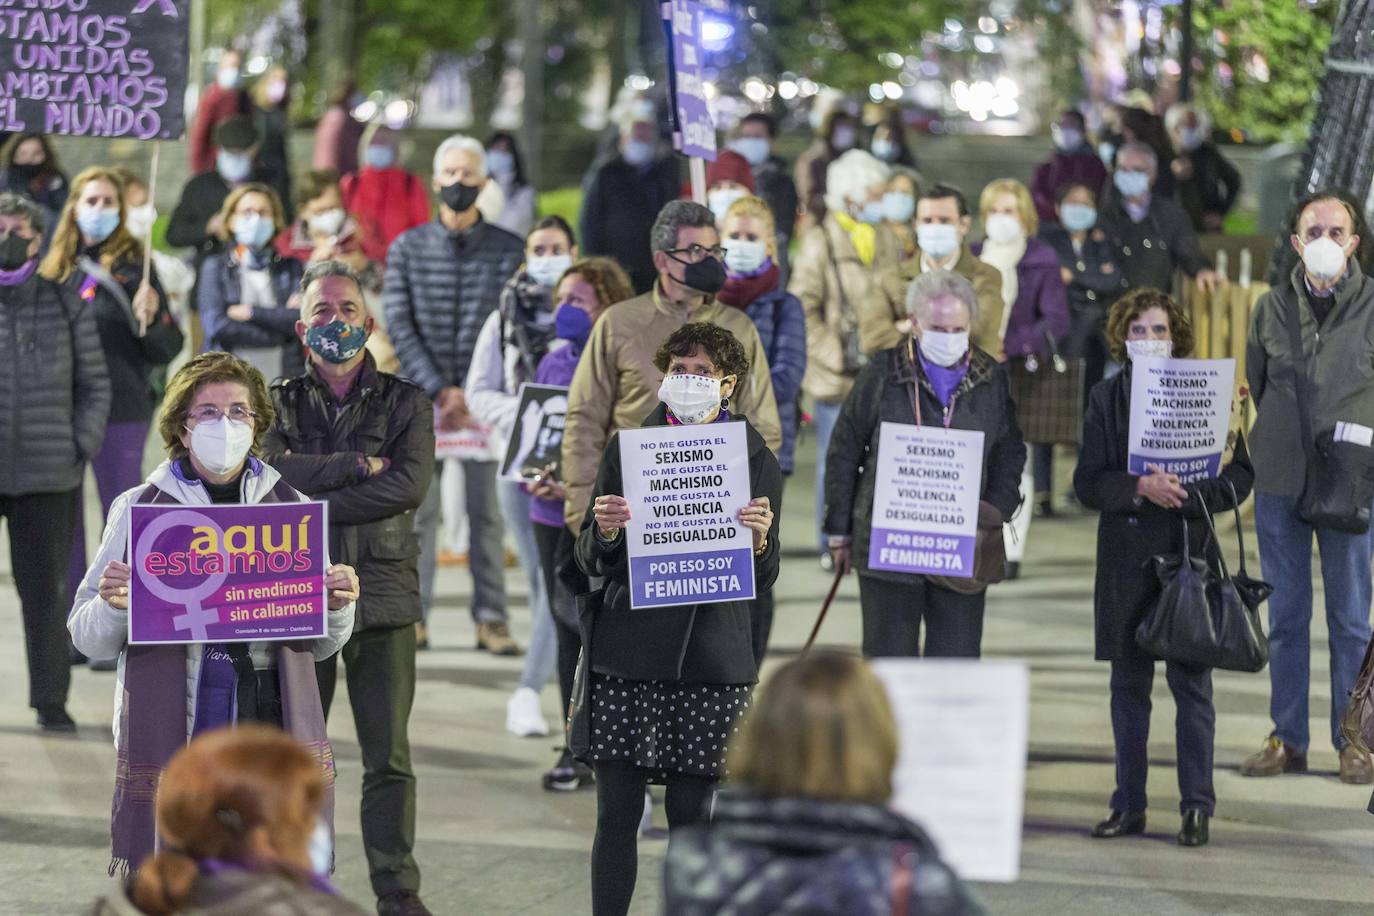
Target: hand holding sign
1161,488
612,513
114,585
342,583
146,303
758,518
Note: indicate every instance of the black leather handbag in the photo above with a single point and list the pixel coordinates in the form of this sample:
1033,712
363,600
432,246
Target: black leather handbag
1338,487
1204,616
579,723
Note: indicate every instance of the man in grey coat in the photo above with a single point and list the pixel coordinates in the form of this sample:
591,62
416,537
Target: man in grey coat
1332,301
54,401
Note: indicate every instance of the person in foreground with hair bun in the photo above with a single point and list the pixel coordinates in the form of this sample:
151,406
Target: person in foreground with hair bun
240,812
666,685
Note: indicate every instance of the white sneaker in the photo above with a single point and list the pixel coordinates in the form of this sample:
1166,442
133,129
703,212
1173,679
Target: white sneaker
523,715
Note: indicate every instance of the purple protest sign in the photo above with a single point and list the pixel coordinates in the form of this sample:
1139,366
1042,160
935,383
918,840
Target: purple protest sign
94,68
696,135
925,503
227,573
686,486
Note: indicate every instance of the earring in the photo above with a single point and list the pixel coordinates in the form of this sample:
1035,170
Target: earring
724,403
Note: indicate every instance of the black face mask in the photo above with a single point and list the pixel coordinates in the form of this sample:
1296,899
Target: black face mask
705,276
14,252
459,197
26,172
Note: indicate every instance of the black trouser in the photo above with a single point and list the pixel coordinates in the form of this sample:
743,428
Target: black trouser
761,624
380,667
619,808
1195,721
546,538
40,547
893,612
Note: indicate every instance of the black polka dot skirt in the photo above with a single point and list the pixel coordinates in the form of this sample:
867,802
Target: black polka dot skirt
665,727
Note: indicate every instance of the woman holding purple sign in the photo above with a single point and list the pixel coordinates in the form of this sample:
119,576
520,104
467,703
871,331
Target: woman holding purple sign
1140,519
938,378
216,415
665,685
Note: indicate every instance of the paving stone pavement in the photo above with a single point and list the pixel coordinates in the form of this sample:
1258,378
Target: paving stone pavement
491,842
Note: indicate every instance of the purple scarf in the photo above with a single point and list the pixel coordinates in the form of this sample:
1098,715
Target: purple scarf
153,725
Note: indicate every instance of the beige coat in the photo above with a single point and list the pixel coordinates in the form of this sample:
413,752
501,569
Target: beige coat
836,290
616,384
878,326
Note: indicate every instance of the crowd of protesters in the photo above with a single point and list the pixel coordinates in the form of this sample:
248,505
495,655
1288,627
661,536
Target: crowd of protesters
340,320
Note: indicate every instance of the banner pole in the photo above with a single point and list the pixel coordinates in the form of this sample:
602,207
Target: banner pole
148,242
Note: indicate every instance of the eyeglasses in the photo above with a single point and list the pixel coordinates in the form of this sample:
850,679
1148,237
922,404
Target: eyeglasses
696,253
209,413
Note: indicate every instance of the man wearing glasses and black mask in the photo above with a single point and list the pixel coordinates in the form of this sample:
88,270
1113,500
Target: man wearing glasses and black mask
616,385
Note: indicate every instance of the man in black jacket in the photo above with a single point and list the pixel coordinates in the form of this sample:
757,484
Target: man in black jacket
54,401
363,441
623,197
1151,234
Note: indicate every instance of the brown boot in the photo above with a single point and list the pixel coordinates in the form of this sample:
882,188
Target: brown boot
1355,767
1275,757
495,638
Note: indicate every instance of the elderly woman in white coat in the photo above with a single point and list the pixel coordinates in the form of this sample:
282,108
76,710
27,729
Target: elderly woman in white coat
215,412
512,342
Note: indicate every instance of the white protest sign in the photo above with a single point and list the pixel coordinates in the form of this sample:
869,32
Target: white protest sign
472,443
1180,413
686,486
949,712
925,504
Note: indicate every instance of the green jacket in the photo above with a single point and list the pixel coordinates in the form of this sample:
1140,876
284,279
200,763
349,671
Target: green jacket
1340,364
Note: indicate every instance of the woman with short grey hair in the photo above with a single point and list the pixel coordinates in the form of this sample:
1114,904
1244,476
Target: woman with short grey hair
934,378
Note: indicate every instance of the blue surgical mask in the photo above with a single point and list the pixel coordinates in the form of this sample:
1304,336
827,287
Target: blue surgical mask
379,157
572,324
233,167
939,240
898,206
638,153
872,212
252,231
755,150
1131,183
883,148
500,162
97,224
547,269
1078,217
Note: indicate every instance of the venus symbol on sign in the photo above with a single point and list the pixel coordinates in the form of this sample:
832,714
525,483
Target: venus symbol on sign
196,619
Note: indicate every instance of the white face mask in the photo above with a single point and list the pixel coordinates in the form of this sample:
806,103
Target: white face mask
884,149
1066,139
691,398
720,200
329,222
321,850
1159,349
220,447
942,348
1324,259
743,256
843,138
139,220
755,150
1003,229
548,269
937,239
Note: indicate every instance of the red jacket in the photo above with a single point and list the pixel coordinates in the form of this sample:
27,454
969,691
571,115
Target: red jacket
216,105
385,202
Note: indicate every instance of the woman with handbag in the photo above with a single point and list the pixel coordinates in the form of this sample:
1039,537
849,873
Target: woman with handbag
663,687
938,378
835,275
1034,323
1143,517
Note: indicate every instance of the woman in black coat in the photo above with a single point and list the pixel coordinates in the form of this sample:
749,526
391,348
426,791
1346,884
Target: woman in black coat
960,387
667,683
1142,517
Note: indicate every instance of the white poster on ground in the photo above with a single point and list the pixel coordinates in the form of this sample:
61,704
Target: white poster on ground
1180,413
686,486
962,729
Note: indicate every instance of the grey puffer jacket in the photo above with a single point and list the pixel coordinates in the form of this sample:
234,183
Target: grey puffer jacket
801,857
242,893
54,388
1339,356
